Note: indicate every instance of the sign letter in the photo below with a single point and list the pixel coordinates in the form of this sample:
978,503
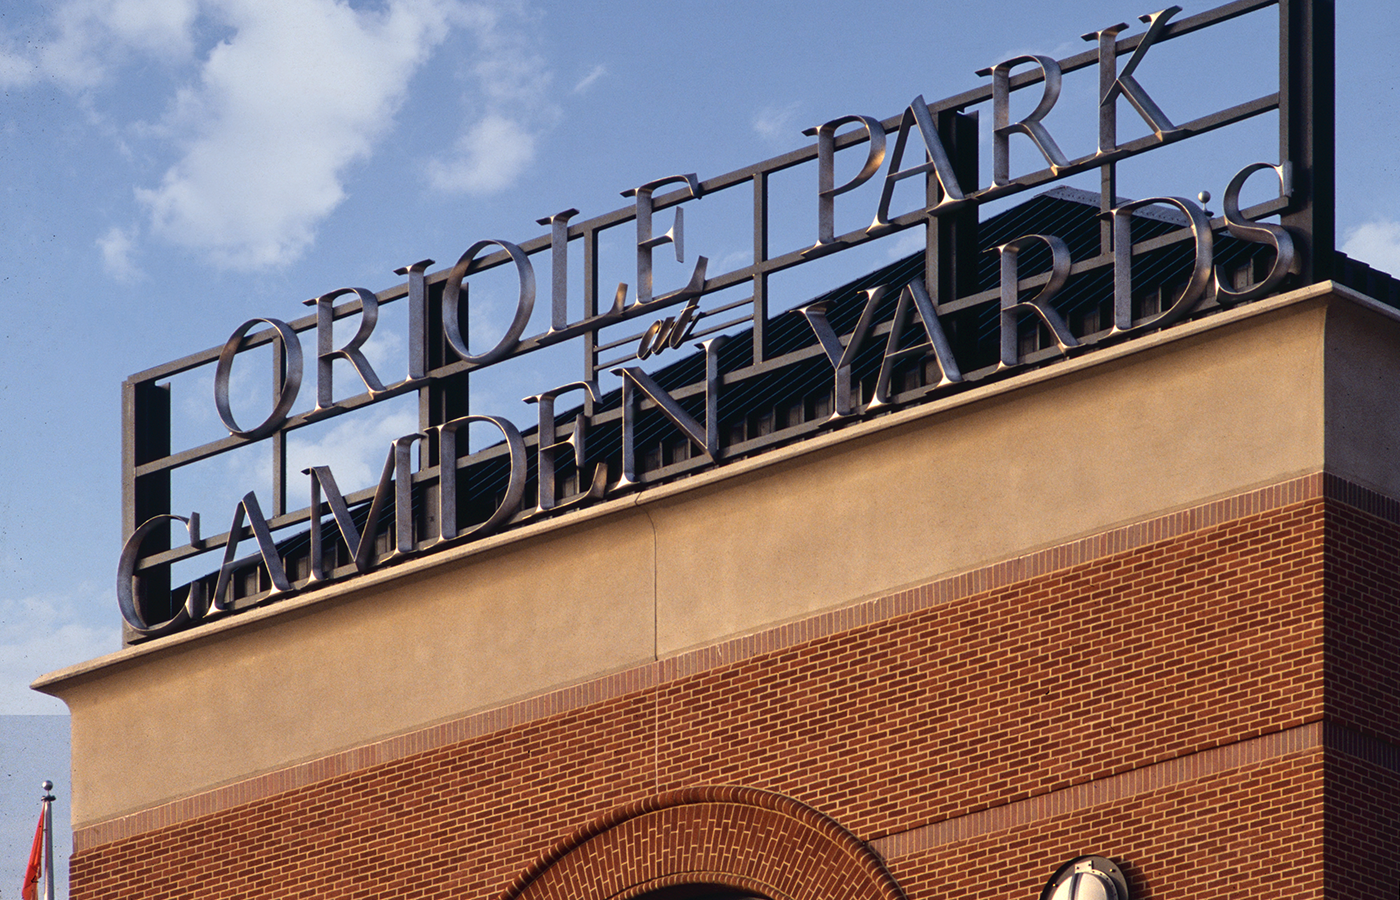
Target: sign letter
842,357
1039,304
291,347
559,267
1201,273
550,445
267,550
447,479
1112,82
826,171
196,603
938,162
397,470
455,286
326,354
915,294
1286,259
705,437
646,243
417,318
1031,125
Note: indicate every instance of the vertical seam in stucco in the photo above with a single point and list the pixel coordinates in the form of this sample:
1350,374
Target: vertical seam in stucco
655,604
655,652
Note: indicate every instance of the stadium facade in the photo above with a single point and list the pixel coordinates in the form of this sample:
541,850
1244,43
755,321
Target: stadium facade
1061,559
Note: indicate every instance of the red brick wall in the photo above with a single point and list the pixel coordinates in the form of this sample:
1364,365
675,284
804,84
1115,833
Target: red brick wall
1363,828
1251,832
1363,622
1363,699
1147,662
1103,667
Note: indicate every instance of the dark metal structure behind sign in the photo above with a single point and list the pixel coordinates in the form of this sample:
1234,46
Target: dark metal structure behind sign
962,312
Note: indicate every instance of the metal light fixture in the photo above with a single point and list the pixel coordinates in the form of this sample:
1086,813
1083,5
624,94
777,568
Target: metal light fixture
1087,878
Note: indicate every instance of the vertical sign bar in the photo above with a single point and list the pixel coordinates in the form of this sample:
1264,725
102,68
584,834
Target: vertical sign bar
590,302
1108,125
1307,129
760,275
1108,198
950,253
146,438
417,301
933,271
449,397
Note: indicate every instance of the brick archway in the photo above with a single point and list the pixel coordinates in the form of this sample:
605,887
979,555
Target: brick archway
739,838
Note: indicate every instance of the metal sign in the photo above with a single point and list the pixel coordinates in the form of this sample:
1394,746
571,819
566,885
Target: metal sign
440,501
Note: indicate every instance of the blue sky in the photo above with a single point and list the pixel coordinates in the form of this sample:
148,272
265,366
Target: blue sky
172,168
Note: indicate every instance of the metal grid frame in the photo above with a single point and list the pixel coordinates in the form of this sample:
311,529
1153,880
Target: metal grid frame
1304,102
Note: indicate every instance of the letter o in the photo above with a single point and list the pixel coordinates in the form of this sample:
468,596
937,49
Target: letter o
291,346
524,307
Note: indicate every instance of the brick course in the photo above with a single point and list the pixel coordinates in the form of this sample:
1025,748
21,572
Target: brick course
1184,680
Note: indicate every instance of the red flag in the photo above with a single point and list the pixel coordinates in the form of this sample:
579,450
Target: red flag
30,891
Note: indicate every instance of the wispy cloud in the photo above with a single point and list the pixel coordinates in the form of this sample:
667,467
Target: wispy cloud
117,246
593,75
488,157
777,125
909,242
41,632
269,121
1376,244
355,451
299,92
507,108
17,70
87,39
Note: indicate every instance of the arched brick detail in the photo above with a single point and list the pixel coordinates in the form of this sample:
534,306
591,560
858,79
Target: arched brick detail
750,840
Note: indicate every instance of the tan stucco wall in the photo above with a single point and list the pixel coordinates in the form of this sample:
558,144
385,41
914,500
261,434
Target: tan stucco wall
1362,397
1204,410
407,650
1155,429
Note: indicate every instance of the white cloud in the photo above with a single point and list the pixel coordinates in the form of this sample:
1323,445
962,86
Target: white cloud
300,91
593,75
354,450
43,633
510,109
488,158
16,70
158,27
90,38
117,246
386,353
734,259
1375,243
777,124
272,118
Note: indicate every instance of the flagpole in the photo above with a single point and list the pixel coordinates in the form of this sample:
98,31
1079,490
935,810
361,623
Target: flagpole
48,840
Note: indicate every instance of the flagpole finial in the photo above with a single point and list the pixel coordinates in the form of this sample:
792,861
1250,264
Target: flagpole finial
47,785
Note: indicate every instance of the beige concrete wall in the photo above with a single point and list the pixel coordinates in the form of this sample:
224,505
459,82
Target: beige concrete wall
1159,428
407,651
1363,397
1204,410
